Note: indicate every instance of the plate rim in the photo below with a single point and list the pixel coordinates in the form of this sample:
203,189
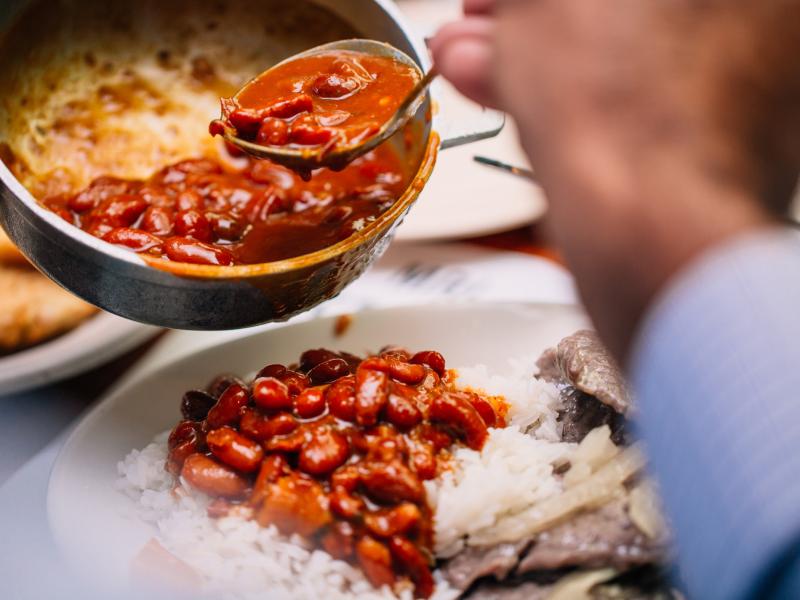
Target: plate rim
120,336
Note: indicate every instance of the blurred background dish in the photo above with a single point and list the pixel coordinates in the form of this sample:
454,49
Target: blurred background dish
463,199
96,341
47,334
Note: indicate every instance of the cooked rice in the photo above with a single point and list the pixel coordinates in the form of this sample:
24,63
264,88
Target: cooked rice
240,559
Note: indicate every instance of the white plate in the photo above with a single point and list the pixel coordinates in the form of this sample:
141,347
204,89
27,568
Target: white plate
98,340
94,525
464,199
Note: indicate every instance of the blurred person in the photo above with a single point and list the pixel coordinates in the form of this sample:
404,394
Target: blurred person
666,136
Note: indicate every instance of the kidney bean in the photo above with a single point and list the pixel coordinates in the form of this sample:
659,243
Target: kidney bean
275,370
310,135
311,358
310,403
99,190
228,408
391,482
333,86
133,239
399,370
157,221
296,382
440,439
262,205
197,166
182,249
339,542
183,440
195,405
484,408
323,452
345,504
246,121
260,427
208,476
402,412
296,504
65,214
216,127
178,455
98,227
457,412
328,371
408,555
431,358
185,430
371,395
271,394
423,460
234,449
346,478
189,200
273,467
290,107
388,522
226,227
157,197
375,560
220,383
291,442
192,223
273,132
120,211
341,397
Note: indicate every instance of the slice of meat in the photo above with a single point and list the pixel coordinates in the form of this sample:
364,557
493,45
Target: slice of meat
605,537
33,308
476,562
580,413
582,361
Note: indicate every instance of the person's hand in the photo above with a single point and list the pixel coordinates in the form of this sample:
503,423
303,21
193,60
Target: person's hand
656,129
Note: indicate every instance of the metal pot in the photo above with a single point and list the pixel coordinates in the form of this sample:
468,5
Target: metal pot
36,37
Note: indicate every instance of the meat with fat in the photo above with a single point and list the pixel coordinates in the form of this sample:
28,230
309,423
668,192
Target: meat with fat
582,361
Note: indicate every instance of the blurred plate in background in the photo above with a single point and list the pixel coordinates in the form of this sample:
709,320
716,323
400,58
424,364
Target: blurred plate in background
464,199
97,341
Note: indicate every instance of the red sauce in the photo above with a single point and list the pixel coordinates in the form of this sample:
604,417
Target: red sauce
198,212
336,450
322,100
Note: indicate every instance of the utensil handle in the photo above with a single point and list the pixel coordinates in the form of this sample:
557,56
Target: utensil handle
460,122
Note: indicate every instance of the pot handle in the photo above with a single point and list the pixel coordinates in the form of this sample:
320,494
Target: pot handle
460,121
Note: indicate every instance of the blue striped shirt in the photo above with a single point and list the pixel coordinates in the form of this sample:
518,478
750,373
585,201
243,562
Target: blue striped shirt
716,369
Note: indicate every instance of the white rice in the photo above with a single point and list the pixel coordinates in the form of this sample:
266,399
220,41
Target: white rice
240,559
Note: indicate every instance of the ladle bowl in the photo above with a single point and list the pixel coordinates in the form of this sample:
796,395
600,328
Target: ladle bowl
307,158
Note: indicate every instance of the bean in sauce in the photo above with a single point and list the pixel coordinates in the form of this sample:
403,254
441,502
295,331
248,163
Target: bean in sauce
199,212
335,449
323,100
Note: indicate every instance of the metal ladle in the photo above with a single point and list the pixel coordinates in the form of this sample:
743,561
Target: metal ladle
307,159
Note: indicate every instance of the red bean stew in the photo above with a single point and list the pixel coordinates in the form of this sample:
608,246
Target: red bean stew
198,212
335,449
322,100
